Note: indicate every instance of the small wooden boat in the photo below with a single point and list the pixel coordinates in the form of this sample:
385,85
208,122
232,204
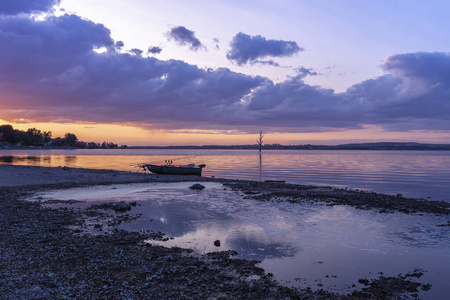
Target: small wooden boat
169,169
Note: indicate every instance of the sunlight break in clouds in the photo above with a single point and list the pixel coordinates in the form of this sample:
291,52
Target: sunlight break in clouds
50,72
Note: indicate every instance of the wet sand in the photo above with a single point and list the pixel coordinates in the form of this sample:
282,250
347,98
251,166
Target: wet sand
11,175
41,257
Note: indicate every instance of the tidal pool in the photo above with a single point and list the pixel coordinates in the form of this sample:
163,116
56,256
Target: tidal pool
303,245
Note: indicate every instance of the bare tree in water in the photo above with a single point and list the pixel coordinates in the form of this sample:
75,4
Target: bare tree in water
260,140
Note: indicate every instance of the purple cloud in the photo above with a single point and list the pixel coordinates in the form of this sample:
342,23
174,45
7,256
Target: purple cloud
119,45
414,96
14,7
154,50
247,49
49,71
266,62
216,42
302,72
184,36
136,51
432,67
293,103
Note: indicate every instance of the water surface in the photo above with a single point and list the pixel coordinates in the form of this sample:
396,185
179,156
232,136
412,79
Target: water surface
422,174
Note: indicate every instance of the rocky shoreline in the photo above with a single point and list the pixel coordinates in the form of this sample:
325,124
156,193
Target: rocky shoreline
275,191
42,258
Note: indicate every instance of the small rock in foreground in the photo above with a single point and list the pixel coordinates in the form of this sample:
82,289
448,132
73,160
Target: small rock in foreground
116,206
197,186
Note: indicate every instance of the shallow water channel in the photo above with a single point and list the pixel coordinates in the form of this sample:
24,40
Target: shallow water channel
304,245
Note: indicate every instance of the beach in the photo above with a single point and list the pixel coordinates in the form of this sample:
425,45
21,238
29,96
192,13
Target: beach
43,257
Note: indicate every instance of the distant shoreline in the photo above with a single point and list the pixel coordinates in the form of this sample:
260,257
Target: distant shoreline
362,146
355,146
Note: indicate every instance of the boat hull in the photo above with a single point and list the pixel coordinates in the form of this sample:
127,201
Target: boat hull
174,170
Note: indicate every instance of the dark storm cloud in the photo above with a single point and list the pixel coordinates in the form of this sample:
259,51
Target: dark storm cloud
13,7
154,50
184,36
246,48
49,71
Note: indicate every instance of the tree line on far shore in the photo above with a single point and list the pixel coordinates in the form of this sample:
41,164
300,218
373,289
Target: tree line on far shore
37,138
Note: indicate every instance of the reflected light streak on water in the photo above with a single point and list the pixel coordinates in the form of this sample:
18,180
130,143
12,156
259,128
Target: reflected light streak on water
411,173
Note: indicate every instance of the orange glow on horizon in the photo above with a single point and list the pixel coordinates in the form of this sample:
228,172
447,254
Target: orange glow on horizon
136,136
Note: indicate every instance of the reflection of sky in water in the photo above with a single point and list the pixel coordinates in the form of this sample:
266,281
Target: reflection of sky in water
411,173
303,245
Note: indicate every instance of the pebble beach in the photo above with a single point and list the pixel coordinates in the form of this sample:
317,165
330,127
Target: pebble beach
42,257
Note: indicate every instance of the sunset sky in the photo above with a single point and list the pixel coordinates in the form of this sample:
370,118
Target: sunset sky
176,72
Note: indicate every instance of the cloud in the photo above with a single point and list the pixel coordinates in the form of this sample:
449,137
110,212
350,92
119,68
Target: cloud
14,7
119,45
293,103
49,71
154,50
184,36
216,42
136,51
246,49
415,95
266,62
302,72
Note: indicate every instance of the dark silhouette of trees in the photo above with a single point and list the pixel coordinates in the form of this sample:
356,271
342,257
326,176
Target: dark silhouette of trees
109,145
31,137
93,145
36,137
14,136
47,136
70,139
10,135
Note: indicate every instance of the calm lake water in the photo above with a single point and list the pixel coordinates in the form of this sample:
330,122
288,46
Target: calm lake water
422,174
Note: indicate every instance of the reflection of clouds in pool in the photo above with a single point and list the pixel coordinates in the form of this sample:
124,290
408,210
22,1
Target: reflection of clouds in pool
289,238
249,240
256,248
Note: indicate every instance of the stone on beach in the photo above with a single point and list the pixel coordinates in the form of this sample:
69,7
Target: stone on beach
116,206
197,186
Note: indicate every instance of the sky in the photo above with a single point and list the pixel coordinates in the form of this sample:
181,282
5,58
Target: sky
173,72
